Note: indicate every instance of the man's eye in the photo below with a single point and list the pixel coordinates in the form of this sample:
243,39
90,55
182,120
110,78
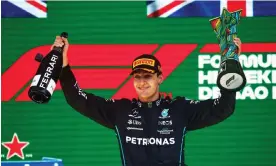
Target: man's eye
147,76
137,77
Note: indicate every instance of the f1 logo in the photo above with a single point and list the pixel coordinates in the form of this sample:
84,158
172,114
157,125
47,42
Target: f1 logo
95,67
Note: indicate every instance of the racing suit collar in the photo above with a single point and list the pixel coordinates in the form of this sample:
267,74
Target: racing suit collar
155,103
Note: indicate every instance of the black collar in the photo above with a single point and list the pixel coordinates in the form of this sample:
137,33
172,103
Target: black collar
152,104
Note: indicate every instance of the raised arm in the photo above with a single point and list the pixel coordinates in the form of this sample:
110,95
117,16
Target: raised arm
201,114
99,109
209,112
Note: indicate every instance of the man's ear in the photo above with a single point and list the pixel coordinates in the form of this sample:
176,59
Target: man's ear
160,79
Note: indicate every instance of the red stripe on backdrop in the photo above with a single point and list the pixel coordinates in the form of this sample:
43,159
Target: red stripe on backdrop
79,55
107,54
10,76
237,5
91,79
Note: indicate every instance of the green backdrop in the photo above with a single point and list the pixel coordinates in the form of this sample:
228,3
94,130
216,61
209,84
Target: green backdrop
56,130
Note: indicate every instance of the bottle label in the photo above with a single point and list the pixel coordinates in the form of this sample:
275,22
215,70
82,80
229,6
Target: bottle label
51,86
35,80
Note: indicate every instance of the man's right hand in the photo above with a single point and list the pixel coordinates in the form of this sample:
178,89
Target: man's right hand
59,42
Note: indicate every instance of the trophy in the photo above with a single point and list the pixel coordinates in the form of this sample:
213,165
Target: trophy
47,75
231,76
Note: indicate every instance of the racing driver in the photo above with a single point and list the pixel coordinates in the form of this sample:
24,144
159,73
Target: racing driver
150,129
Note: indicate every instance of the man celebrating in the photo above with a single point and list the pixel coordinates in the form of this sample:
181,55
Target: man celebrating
150,129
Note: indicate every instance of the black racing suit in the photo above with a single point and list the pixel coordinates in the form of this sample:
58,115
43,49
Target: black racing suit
149,134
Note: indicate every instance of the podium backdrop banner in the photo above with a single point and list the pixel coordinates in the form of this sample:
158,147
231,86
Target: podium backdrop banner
104,39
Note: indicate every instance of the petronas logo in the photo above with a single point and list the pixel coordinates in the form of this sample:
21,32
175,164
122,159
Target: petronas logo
165,113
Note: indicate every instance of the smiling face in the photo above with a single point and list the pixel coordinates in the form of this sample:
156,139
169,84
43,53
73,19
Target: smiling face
147,85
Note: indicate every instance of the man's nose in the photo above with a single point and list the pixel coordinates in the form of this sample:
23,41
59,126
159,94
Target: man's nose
142,81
